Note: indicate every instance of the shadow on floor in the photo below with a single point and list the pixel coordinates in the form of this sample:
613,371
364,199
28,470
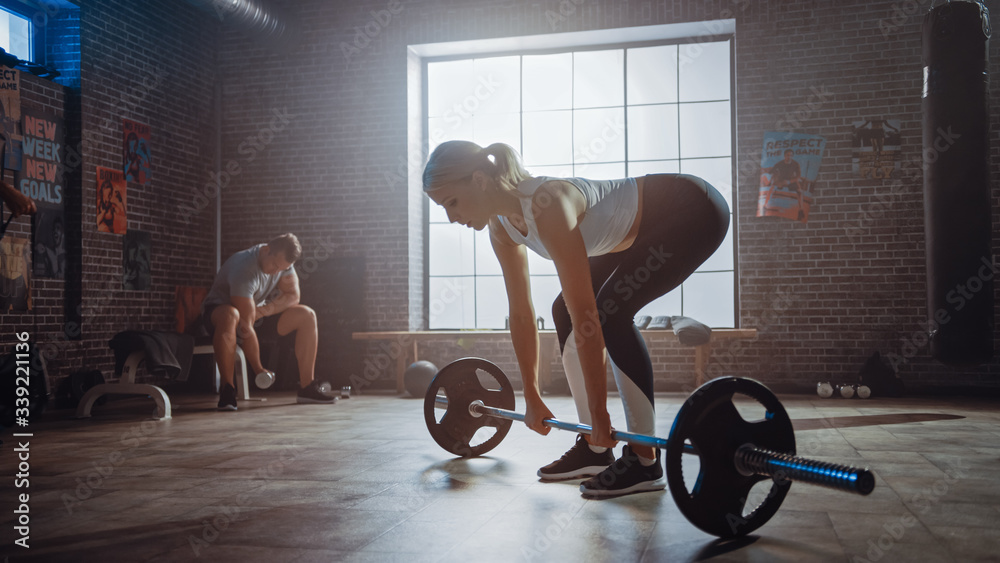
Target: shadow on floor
869,420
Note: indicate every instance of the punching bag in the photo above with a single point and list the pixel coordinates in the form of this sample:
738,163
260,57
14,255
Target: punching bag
957,204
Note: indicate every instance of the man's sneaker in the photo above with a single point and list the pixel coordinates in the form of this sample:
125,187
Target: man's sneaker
227,398
626,475
312,394
580,461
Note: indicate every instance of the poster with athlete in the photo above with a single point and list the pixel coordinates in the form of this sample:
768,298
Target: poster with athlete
876,148
136,257
111,201
135,152
789,166
10,117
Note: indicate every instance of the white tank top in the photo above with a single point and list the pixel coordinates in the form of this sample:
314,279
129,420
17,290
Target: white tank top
608,217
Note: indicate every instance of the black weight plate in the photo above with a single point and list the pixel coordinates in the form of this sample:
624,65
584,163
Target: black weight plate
462,382
711,422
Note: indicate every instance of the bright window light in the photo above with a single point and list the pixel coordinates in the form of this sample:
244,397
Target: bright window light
594,113
15,35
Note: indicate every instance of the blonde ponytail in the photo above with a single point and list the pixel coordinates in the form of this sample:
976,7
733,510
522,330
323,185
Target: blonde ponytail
507,163
452,161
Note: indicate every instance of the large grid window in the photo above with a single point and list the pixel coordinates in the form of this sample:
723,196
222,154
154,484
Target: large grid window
600,114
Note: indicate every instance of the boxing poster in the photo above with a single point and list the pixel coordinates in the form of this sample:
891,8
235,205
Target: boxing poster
135,151
111,201
136,251
10,118
49,244
789,165
15,275
42,178
876,148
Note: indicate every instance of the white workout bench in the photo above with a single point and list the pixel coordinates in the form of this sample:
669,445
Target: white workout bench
127,385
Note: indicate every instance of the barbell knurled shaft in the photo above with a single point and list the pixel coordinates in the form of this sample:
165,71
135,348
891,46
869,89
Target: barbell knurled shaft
754,461
479,408
641,439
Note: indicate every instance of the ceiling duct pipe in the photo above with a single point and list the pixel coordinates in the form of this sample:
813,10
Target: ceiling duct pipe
254,16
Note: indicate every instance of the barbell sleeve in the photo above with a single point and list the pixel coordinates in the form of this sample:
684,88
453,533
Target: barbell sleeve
754,461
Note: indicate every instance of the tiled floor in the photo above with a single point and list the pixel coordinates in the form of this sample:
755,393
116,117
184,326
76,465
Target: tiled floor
363,481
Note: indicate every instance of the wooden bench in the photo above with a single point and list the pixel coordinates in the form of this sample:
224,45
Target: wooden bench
408,342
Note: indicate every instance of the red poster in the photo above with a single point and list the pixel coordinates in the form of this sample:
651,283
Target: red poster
111,201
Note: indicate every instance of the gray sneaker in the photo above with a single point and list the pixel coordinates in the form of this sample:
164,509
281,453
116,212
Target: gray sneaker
579,462
625,476
311,394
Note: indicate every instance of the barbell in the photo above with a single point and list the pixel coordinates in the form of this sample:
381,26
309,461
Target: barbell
734,454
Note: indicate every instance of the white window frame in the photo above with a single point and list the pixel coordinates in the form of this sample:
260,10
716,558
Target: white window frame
33,39
686,35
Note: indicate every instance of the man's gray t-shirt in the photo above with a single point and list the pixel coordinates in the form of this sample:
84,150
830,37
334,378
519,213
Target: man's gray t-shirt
241,276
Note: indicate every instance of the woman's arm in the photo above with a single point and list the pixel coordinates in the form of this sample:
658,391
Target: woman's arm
523,330
558,207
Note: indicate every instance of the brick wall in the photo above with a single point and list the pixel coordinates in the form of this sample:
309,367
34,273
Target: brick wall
314,140
823,295
854,276
154,63
62,53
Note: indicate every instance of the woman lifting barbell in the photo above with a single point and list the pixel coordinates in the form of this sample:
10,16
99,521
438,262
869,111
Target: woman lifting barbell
617,245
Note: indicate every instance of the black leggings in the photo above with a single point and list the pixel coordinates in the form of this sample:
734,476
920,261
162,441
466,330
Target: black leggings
684,220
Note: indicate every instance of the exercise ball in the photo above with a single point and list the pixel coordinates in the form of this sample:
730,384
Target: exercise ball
417,378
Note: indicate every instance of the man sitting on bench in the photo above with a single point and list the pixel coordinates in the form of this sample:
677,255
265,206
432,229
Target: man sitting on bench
257,290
